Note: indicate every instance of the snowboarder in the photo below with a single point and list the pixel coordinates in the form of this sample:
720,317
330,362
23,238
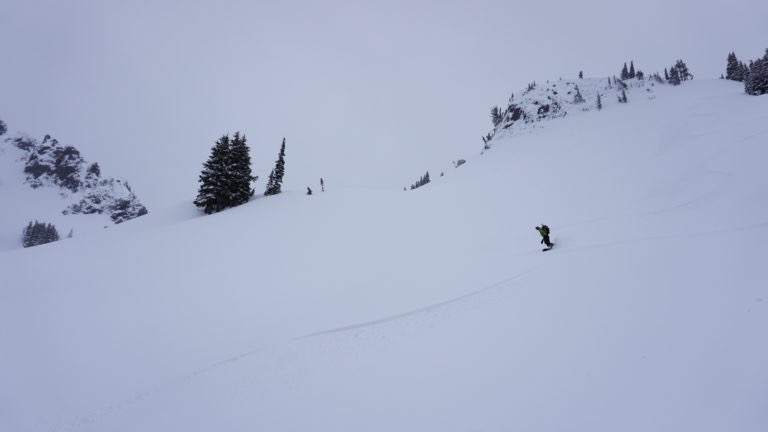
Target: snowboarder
544,231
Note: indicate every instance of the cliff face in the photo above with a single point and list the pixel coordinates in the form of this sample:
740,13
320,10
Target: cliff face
49,164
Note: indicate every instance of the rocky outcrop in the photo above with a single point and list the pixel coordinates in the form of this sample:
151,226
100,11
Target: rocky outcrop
50,164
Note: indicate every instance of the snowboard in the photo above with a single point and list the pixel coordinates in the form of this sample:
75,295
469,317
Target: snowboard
548,248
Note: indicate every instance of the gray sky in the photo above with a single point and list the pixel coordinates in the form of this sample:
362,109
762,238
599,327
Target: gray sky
356,87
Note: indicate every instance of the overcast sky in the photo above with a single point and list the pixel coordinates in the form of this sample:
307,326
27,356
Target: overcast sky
146,87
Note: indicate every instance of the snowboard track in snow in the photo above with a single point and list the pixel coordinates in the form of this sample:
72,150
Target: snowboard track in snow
90,419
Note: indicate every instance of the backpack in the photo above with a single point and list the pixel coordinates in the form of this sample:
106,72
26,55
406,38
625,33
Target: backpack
545,229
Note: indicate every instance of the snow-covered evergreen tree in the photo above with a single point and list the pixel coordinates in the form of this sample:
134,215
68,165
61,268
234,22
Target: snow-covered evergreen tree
578,98
632,70
38,233
274,185
756,81
674,76
212,195
734,69
239,162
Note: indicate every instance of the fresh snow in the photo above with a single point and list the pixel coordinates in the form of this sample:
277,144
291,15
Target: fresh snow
432,309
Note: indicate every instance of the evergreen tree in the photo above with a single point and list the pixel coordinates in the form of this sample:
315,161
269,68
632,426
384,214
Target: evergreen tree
631,70
666,75
674,76
213,194
578,98
274,185
733,70
599,102
239,163
38,233
581,74
496,115
756,82
682,71
624,72
3,128
422,181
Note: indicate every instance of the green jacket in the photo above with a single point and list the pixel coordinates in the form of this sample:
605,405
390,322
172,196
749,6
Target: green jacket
542,231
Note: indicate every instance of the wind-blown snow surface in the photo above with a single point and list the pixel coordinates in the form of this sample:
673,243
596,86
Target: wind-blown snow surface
433,309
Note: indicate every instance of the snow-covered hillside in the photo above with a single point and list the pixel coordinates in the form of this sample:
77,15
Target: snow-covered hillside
432,309
50,182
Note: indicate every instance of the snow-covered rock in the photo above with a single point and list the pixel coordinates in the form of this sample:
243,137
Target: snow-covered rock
555,99
79,186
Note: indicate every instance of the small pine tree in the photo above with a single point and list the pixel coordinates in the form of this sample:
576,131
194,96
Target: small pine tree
632,70
599,102
3,128
682,71
578,98
274,185
322,185
496,115
624,72
581,74
674,76
623,97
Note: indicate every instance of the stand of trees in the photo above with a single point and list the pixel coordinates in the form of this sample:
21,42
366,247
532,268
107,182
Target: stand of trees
226,177
422,181
754,76
37,233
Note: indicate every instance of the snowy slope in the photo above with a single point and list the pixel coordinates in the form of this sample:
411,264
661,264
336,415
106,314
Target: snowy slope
431,309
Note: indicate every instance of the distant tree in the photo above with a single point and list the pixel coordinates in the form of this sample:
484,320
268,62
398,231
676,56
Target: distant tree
666,75
581,74
674,76
3,128
322,185
275,183
623,96
38,233
578,98
682,71
733,68
422,181
94,170
599,102
624,72
609,83
496,115
640,75
756,81
632,70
